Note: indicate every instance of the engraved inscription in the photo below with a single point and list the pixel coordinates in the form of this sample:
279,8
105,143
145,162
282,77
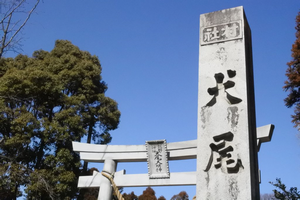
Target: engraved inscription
221,33
158,166
157,151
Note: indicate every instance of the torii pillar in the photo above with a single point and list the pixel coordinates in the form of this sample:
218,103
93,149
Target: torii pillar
227,166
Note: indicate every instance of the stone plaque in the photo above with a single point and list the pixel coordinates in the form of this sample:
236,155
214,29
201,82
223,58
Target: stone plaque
221,33
158,166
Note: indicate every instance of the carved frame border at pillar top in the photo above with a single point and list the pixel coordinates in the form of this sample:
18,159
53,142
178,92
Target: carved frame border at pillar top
221,32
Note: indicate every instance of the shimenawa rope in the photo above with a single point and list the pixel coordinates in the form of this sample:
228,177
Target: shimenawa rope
116,190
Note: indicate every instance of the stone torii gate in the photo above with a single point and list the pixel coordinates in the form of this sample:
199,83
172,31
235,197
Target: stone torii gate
110,155
228,140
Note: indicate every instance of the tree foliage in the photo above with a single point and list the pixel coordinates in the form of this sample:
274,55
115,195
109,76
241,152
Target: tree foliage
46,102
283,193
14,14
181,196
130,196
148,194
161,198
292,85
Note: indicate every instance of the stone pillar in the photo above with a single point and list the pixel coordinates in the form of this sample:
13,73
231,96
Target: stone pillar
105,191
227,153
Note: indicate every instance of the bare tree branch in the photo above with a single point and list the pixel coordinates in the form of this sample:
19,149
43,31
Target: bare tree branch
10,29
12,10
25,21
3,45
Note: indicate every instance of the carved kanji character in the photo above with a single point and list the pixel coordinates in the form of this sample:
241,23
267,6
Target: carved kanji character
225,153
211,34
230,31
222,87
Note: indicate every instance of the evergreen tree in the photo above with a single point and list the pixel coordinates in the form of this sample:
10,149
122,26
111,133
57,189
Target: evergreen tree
292,85
283,193
46,102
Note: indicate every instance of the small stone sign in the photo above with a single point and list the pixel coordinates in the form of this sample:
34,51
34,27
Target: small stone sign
157,158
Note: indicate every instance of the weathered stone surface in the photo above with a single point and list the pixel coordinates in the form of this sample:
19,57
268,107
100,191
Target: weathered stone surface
105,191
157,159
138,153
264,134
227,147
138,180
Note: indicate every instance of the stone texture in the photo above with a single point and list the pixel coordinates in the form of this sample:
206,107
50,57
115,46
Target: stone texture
105,191
157,159
227,149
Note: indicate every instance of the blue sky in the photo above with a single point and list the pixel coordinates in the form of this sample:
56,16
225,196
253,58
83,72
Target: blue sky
149,55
